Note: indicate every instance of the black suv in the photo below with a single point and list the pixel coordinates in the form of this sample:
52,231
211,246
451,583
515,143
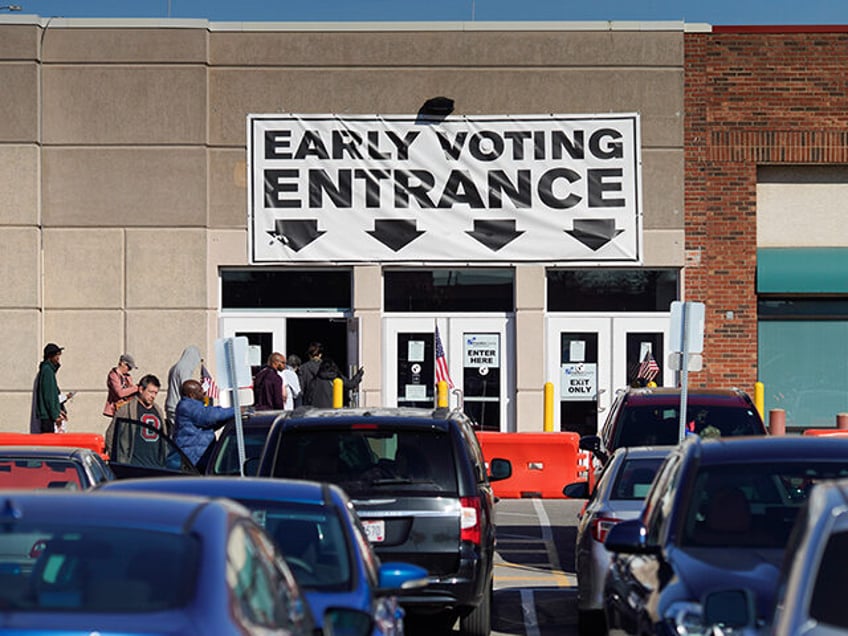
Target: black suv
651,417
419,483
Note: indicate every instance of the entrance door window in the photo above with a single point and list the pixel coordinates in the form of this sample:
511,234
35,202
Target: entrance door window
578,382
481,378
415,370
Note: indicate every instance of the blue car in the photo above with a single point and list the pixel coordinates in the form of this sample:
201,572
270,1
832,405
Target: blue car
321,537
126,563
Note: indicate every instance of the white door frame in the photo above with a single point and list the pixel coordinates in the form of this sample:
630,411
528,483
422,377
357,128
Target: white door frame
275,324
612,330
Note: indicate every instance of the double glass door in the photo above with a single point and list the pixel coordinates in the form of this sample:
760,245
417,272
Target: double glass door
589,358
478,353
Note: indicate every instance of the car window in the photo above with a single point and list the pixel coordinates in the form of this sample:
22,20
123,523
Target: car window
136,443
41,473
752,504
312,541
660,498
827,604
633,480
371,459
259,588
226,460
98,570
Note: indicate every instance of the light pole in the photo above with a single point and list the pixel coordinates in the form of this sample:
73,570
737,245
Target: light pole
11,7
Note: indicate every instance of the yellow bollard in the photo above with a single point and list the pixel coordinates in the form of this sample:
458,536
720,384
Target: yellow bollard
549,407
760,398
442,394
338,388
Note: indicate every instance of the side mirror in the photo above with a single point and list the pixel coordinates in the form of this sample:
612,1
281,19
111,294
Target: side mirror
629,537
251,466
577,490
500,469
345,621
733,608
396,576
591,443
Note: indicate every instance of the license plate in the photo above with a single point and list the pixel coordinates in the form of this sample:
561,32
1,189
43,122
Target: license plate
375,530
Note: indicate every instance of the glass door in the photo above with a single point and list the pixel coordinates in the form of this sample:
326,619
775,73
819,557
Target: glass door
265,334
590,357
477,352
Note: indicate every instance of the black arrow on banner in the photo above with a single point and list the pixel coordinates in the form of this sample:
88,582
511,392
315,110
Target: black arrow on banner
296,234
594,233
495,234
395,233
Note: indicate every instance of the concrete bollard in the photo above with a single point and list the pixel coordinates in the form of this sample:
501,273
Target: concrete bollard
842,421
777,422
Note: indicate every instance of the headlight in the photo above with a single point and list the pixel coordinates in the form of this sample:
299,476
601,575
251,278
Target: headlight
686,618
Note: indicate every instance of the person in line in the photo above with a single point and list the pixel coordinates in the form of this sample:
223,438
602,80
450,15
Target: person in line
181,371
291,382
309,370
120,385
269,391
322,393
196,424
136,444
49,407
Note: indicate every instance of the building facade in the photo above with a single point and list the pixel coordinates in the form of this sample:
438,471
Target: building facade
126,215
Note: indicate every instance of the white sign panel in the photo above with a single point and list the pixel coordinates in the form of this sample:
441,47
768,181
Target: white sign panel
579,382
482,350
543,188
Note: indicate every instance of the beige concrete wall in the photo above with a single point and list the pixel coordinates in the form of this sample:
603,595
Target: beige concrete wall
123,191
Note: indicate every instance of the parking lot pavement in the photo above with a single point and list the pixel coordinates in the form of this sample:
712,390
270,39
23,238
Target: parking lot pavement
535,585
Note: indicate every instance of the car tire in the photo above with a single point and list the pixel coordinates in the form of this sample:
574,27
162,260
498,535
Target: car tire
479,621
591,622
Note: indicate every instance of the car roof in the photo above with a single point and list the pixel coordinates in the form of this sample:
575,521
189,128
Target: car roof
282,490
45,452
646,452
757,449
670,395
130,510
386,416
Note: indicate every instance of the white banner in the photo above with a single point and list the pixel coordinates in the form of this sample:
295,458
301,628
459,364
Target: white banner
536,188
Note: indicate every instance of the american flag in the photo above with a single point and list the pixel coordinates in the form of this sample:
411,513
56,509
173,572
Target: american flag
442,372
209,385
649,368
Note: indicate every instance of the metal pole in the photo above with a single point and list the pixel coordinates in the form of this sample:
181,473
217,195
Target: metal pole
231,372
684,372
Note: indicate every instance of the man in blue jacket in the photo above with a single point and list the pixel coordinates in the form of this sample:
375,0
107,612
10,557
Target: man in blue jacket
196,424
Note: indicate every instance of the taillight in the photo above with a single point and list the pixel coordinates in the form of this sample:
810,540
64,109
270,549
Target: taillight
601,527
469,524
37,548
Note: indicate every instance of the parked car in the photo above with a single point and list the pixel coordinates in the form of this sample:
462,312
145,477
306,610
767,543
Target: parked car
419,483
813,579
651,417
130,563
321,539
618,495
718,515
51,467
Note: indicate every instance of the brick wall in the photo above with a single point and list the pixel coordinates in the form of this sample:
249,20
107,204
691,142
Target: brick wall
753,96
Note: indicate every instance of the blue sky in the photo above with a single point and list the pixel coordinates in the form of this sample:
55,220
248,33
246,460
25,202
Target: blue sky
711,11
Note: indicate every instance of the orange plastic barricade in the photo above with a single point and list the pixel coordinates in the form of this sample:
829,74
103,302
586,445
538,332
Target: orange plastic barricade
94,441
826,432
542,463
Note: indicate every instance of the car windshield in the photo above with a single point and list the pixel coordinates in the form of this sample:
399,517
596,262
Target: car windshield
634,479
56,568
826,604
371,460
312,541
754,504
652,425
39,473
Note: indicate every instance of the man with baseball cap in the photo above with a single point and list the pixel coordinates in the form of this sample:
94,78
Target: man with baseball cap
48,407
120,385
